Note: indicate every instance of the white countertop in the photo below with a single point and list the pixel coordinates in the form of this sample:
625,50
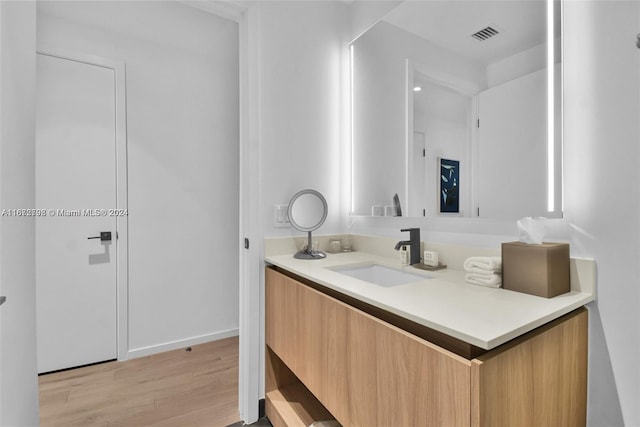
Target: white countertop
484,317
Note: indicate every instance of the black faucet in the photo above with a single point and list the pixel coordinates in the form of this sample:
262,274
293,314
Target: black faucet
414,244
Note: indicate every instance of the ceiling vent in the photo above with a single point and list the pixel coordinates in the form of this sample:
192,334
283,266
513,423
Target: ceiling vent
485,33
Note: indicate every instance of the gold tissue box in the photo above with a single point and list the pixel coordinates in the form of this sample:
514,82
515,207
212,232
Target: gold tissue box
541,270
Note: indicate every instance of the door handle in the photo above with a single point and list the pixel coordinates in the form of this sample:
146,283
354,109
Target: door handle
105,236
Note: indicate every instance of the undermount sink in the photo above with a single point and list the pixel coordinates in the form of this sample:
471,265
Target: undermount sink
379,274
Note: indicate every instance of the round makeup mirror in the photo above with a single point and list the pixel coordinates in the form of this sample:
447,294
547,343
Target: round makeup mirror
307,212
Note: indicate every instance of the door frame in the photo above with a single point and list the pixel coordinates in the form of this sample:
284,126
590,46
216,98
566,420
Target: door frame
251,313
250,274
122,222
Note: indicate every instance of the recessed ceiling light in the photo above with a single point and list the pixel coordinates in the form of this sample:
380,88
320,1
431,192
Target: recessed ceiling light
417,89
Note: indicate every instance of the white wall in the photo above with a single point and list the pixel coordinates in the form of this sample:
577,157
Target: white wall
302,113
602,109
18,380
182,122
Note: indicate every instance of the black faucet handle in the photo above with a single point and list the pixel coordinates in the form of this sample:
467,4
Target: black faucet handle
414,235
415,232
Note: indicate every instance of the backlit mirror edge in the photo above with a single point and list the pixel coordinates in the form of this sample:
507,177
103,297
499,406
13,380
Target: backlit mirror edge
555,160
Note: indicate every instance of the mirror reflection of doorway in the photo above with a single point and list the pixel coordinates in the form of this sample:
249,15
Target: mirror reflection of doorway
442,128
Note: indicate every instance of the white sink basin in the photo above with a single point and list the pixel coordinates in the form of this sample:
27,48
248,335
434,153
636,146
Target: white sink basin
379,274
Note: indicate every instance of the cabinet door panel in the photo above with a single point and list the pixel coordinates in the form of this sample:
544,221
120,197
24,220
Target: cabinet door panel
281,316
310,327
541,379
334,389
404,383
362,370
419,384
396,379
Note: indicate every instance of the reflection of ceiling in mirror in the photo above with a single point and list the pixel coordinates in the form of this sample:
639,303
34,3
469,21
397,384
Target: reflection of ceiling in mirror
450,24
439,101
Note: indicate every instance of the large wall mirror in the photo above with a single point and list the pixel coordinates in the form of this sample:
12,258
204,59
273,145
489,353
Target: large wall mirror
456,108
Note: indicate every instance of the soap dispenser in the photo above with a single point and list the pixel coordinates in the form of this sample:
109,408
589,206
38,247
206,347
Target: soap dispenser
405,255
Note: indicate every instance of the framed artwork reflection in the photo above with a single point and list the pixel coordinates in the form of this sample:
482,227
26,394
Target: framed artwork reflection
449,185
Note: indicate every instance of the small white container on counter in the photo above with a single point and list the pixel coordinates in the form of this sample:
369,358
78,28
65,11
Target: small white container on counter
405,255
430,258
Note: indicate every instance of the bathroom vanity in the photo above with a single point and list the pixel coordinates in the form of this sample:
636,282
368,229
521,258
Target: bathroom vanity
432,351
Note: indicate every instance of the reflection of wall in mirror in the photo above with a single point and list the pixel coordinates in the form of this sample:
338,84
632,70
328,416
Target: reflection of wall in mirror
512,137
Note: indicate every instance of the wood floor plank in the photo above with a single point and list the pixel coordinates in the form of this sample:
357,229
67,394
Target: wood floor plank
176,388
210,417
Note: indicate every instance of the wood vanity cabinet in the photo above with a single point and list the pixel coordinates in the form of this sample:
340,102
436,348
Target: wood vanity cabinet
328,360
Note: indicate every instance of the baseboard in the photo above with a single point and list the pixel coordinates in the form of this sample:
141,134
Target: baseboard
174,345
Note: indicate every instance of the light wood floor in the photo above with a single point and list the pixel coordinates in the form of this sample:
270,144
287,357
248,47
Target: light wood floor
176,388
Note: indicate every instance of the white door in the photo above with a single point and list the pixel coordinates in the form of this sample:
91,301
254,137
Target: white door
75,192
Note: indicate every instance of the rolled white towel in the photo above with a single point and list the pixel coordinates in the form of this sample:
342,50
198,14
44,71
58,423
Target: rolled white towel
489,280
489,264
478,270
